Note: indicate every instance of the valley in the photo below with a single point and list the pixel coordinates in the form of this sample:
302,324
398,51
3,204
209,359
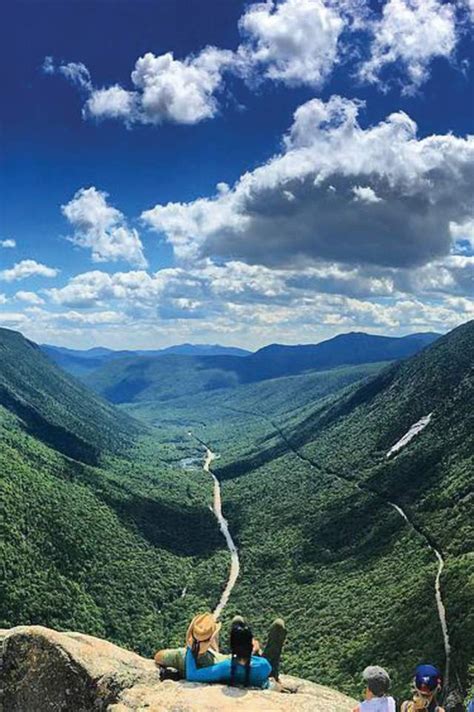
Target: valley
334,502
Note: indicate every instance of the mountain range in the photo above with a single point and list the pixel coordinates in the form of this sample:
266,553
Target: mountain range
78,361
140,377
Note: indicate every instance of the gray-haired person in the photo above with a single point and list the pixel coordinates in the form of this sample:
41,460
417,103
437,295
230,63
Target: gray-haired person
377,684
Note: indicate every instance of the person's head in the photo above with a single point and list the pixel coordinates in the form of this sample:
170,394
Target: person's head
241,644
241,640
201,633
376,680
428,681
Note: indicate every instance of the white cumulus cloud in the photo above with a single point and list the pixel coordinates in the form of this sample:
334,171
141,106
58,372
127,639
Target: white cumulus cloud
365,194
255,304
102,228
291,42
27,268
412,188
469,5
112,102
94,288
8,244
94,318
181,91
410,34
165,89
29,297
295,42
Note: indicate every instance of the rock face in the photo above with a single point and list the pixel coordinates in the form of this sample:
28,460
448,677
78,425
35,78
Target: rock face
47,671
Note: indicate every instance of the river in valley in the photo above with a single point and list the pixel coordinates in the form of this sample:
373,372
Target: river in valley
224,527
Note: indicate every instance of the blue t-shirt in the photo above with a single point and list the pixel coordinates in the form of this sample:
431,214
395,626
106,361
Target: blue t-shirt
260,670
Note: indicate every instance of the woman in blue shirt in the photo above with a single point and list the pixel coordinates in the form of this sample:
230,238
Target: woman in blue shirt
241,668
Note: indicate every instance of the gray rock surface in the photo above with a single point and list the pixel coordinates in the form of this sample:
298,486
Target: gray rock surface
47,671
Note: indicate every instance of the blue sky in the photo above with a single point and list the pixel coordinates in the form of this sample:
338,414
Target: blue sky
294,169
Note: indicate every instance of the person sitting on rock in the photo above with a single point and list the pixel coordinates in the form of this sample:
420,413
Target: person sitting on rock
427,685
377,684
202,638
246,665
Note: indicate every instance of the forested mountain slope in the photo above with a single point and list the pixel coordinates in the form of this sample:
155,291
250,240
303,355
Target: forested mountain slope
99,531
222,415
164,378
354,580
56,408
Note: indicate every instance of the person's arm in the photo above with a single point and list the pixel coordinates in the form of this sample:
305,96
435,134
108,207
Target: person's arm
211,673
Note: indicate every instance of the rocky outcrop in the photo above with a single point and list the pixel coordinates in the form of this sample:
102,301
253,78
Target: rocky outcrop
47,671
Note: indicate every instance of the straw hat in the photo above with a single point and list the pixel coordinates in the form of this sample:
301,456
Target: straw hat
202,630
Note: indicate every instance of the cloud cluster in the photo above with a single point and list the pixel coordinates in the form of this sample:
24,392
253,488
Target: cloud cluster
165,89
114,103
469,5
375,196
294,42
210,289
102,228
27,268
252,305
348,226
29,297
75,72
248,303
7,244
410,34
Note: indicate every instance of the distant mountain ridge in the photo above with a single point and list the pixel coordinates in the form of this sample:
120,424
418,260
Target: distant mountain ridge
344,349
77,361
140,378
